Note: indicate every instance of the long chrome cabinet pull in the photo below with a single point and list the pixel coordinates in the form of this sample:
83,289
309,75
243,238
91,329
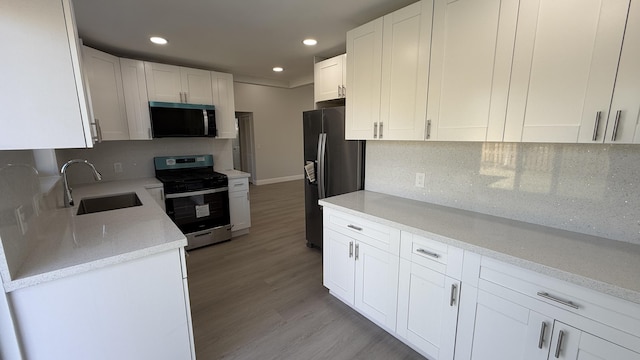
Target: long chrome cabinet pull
543,329
428,253
563,302
357,251
452,300
615,125
350,249
354,227
375,130
428,129
595,127
559,345
381,124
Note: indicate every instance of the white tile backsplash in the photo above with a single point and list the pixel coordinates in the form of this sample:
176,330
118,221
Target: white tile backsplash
590,189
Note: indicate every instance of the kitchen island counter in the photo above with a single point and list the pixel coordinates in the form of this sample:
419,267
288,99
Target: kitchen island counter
600,264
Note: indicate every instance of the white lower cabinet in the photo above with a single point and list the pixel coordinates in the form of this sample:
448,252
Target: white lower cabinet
360,266
134,310
239,205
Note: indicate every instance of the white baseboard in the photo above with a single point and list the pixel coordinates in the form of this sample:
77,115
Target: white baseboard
279,180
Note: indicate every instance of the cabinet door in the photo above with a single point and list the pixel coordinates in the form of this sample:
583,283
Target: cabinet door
224,101
107,95
376,284
337,265
164,82
364,71
158,195
626,96
136,99
564,66
508,331
405,72
573,344
239,209
42,90
428,310
196,86
328,79
471,54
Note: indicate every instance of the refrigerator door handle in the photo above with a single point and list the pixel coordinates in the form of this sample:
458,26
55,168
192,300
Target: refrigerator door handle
322,145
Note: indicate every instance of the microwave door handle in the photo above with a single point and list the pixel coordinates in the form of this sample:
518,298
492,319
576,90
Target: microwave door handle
206,122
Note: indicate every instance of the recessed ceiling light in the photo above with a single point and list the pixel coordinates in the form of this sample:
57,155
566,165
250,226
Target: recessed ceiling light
158,40
278,69
309,42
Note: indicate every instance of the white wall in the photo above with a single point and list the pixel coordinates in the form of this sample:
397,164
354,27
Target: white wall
590,189
137,156
277,124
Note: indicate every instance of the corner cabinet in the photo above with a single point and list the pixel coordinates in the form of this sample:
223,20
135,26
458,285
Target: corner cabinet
387,75
239,206
106,94
360,265
42,92
330,77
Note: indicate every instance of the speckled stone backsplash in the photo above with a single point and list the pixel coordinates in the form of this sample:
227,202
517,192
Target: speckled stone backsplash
590,189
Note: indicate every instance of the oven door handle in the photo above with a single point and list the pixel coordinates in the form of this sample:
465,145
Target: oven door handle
195,193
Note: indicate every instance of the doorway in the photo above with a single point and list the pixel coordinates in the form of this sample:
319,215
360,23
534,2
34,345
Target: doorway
243,145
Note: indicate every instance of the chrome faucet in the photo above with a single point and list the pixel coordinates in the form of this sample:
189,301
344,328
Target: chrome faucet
68,200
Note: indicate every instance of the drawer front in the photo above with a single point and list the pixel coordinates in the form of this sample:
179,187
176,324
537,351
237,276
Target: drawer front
432,254
568,297
241,184
377,235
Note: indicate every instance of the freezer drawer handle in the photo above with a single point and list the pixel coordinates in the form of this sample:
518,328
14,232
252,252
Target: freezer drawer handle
563,302
428,253
354,227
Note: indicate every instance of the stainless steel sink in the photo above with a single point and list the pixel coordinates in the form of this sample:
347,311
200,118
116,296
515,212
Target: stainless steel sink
106,203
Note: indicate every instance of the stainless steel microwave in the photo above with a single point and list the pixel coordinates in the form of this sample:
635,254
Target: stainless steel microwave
182,120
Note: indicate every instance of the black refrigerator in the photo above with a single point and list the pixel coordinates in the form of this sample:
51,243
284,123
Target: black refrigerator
333,165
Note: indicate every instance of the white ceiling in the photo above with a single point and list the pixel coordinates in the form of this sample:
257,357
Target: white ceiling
244,37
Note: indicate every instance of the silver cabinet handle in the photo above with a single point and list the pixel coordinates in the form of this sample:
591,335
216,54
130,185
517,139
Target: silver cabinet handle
381,124
375,130
344,91
186,99
350,249
354,227
162,194
543,329
428,129
339,91
563,302
595,127
428,253
181,99
559,345
357,251
452,300
98,136
615,125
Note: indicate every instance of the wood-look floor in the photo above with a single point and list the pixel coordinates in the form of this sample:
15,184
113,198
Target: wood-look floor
260,296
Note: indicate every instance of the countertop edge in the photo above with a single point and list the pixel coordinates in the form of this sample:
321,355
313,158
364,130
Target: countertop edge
576,279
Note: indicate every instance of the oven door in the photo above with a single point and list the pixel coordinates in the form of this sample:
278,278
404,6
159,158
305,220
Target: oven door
195,211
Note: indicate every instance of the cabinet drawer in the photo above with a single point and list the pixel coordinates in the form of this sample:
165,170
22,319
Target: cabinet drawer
377,235
241,184
432,254
566,297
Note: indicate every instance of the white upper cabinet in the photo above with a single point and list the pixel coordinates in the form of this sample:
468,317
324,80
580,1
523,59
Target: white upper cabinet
364,74
564,69
626,95
171,83
136,99
42,89
106,93
387,75
330,77
224,102
471,53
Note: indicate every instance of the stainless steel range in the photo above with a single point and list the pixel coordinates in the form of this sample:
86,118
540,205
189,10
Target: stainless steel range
196,198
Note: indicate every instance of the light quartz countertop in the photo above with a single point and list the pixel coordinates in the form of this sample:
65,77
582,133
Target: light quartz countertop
70,244
604,265
234,174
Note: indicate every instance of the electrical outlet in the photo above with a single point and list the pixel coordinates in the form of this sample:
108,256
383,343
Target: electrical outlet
117,168
420,180
21,220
